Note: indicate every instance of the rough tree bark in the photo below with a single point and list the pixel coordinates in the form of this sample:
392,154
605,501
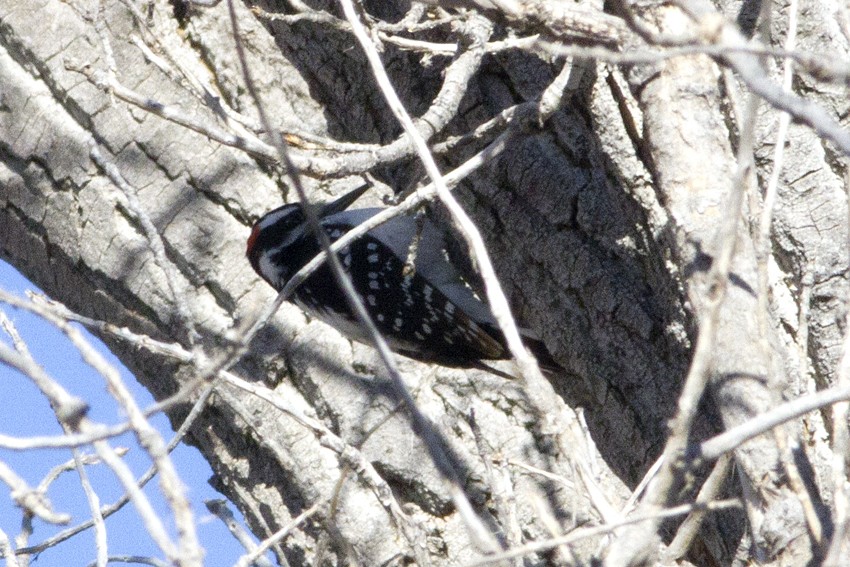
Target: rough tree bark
603,222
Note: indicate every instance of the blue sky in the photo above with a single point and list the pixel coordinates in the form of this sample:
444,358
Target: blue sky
30,415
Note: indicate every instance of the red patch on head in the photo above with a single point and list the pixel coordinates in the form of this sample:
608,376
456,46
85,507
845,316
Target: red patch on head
252,240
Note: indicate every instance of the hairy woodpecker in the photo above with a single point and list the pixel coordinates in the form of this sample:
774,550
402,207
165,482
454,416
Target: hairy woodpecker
429,313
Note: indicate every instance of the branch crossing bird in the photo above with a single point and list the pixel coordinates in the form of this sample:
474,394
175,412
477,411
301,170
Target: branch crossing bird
429,313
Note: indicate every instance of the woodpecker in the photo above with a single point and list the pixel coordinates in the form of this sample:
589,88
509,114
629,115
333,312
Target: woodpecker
429,313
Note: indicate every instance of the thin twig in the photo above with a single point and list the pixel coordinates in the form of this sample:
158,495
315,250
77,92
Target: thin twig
149,439
642,485
154,240
94,433
71,413
749,69
582,533
350,456
107,511
68,466
101,545
140,559
200,87
238,531
10,329
495,296
421,425
266,544
33,501
690,527
733,438
7,551
501,487
763,249
250,144
665,487
416,199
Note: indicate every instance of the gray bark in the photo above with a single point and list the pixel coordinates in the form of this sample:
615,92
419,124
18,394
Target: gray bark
602,222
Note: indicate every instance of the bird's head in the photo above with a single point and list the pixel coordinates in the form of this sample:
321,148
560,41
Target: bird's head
280,228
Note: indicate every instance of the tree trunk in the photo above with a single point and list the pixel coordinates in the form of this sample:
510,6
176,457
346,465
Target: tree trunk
604,224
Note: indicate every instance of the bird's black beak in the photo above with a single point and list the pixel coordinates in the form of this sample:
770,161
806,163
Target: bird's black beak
343,202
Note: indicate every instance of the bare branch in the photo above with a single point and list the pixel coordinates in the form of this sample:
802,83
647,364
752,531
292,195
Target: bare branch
255,554
582,533
220,509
